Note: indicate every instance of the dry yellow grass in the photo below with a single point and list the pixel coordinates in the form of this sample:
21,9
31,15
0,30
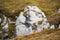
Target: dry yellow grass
44,35
15,6
54,19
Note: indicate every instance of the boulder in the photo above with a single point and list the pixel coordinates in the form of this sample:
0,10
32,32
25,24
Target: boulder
33,21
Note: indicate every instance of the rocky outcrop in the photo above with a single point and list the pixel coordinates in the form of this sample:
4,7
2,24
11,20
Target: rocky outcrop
33,21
